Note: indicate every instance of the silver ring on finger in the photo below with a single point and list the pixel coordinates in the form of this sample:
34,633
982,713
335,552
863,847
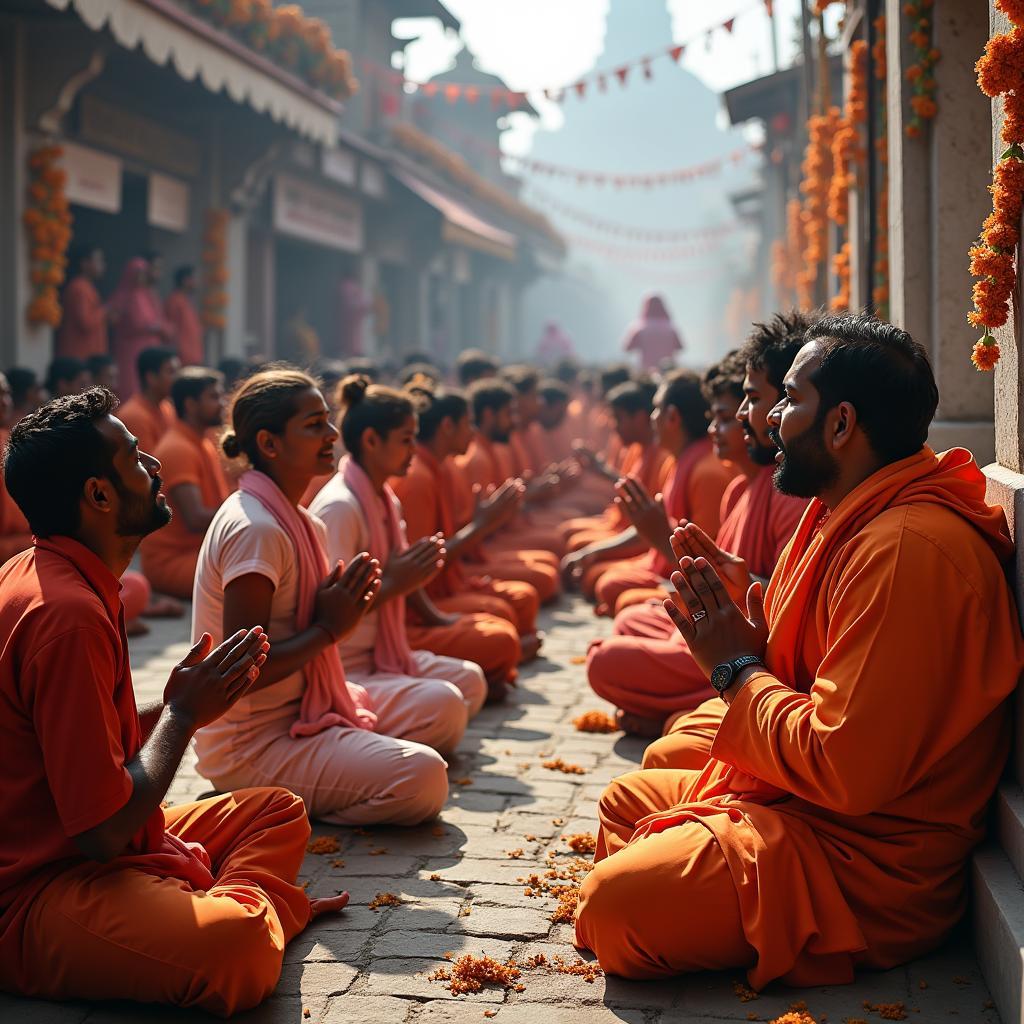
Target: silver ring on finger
697,616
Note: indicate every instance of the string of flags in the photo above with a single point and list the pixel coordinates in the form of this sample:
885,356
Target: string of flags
598,80
631,232
633,254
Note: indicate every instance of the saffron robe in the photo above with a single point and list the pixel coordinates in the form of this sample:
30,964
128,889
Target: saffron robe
169,555
183,320
83,326
849,779
696,493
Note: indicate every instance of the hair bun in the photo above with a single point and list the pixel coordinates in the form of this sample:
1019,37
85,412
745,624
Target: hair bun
230,446
352,389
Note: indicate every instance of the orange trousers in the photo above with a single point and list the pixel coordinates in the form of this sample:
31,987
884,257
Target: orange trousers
617,586
173,576
135,594
103,932
526,565
512,600
683,910
488,641
688,738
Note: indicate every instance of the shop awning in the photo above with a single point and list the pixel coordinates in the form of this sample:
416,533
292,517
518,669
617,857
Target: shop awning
168,33
461,226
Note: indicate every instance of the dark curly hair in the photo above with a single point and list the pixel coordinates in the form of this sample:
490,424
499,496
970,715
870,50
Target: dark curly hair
370,406
52,452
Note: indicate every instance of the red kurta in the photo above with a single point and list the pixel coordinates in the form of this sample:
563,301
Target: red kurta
83,327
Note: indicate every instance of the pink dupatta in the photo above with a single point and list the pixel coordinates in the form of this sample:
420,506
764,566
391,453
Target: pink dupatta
328,699
392,653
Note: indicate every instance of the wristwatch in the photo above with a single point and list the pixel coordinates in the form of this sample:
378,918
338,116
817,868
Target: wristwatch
724,675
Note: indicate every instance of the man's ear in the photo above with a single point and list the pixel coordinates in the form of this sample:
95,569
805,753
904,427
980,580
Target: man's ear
843,423
97,493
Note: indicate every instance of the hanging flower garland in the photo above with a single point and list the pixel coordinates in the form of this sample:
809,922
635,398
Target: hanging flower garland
920,74
1000,73
215,272
847,143
817,169
786,254
841,267
880,291
47,219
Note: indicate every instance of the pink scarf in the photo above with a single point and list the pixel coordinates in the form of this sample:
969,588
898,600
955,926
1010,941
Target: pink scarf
392,654
328,698
676,497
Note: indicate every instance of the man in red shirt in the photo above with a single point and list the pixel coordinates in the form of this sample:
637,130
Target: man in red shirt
180,313
103,893
83,328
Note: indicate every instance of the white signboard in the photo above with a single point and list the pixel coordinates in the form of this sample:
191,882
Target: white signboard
317,214
340,165
94,179
167,203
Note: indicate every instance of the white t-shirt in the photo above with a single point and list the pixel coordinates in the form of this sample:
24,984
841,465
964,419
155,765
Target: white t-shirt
245,538
347,534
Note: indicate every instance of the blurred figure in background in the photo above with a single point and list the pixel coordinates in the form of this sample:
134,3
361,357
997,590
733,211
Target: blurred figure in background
83,328
183,318
653,336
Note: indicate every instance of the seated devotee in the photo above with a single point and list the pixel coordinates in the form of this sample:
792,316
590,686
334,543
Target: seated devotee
831,826
420,371
361,513
473,365
182,318
194,481
354,761
26,392
104,892
647,671
148,414
102,369
427,497
519,550
66,376
708,480
328,373
596,541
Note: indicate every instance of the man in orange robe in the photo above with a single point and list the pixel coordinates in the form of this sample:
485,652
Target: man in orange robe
867,720
103,893
148,414
83,327
428,507
183,318
193,478
695,492
519,550
646,670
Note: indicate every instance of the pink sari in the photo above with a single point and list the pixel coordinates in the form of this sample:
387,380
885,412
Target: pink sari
328,699
392,653
137,316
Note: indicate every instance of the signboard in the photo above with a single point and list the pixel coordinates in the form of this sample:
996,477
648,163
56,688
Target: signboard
340,165
317,214
94,179
136,136
167,205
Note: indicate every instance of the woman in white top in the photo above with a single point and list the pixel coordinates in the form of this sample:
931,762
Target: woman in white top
303,726
361,513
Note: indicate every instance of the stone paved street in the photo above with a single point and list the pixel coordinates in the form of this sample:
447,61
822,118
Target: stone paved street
459,891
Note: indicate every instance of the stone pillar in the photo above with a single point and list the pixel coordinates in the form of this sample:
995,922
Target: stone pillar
369,281
234,337
937,200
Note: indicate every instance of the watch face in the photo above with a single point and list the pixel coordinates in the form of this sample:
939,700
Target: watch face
721,677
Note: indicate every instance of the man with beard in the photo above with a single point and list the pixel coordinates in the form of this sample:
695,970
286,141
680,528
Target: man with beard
518,551
194,478
867,716
103,893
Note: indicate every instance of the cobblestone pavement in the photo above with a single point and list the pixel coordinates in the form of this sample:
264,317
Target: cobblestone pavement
460,893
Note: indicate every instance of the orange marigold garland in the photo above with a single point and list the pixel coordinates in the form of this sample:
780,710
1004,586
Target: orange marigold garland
215,274
47,219
1000,73
920,74
880,291
847,147
841,266
817,169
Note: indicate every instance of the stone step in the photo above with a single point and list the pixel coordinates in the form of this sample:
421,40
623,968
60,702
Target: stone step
1010,823
998,925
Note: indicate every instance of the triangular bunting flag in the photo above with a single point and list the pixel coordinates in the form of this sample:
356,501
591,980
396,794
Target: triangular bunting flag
472,94
581,88
727,25
622,74
602,83
429,88
676,53
648,74
452,92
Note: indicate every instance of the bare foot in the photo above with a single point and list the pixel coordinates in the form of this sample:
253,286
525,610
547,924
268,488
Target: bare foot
164,608
136,628
328,905
637,725
531,644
